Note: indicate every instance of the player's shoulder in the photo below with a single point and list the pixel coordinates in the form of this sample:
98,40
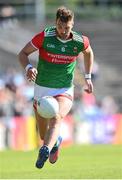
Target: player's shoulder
50,31
77,36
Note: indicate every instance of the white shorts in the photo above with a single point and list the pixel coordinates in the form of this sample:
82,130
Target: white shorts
40,91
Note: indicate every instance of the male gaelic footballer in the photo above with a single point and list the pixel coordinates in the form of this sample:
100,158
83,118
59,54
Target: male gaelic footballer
58,48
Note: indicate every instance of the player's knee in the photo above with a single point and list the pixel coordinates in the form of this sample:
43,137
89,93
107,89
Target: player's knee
54,121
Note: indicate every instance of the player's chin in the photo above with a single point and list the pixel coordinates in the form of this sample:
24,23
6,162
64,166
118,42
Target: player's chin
64,37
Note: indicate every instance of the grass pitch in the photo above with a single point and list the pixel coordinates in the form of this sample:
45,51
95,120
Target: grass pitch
75,162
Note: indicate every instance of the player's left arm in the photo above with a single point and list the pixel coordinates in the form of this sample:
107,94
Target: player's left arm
88,64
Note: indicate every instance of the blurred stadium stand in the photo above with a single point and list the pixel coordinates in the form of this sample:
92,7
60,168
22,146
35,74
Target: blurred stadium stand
105,33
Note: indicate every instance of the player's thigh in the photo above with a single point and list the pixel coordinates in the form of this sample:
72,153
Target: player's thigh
40,120
65,105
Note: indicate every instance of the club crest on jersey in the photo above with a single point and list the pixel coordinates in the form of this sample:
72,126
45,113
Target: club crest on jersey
75,49
63,49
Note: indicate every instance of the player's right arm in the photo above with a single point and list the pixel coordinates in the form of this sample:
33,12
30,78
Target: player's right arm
29,48
31,72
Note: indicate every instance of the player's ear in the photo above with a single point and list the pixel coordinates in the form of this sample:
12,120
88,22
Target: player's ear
72,23
56,21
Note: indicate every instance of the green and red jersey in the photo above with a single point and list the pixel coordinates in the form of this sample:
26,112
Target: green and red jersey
57,58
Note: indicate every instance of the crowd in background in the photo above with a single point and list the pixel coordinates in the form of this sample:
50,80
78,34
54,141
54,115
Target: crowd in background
15,94
16,97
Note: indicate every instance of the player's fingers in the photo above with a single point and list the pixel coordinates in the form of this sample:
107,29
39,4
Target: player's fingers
33,79
89,88
31,75
35,71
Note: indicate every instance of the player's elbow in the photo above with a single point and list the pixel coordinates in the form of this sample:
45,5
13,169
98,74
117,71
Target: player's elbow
21,54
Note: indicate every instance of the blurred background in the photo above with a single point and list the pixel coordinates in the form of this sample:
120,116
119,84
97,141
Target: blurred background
94,119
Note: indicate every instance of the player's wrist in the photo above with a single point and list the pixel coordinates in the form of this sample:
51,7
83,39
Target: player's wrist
29,66
88,76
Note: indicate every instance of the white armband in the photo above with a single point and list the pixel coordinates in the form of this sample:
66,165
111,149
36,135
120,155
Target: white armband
28,67
88,76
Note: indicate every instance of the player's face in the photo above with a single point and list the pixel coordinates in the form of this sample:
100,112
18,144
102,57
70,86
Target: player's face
64,29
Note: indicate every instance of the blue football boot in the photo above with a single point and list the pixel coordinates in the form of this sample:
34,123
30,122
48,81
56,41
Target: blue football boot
42,156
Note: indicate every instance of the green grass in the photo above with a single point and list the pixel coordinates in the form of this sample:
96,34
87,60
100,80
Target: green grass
76,162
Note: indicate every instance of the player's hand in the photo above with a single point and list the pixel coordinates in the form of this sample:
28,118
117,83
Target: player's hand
31,74
89,86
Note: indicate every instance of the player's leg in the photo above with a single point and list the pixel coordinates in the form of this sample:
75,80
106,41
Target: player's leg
54,153
42,125
52,139
52,133
65,105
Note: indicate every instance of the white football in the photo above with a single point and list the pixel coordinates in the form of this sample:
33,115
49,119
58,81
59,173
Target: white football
47,107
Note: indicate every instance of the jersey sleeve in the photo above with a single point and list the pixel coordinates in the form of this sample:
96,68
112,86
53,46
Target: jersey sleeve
86,42
37,40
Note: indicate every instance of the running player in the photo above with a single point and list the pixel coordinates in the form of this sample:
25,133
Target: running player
58,48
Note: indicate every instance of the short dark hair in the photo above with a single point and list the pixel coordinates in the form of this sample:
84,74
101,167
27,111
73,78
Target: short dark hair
64,14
